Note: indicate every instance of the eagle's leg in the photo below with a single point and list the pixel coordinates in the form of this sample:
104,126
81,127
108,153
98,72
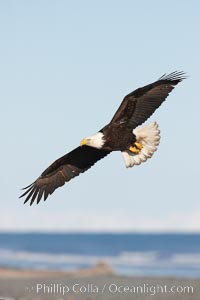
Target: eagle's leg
136,148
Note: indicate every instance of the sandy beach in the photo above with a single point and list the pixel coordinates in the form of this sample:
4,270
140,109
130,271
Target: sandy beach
94,283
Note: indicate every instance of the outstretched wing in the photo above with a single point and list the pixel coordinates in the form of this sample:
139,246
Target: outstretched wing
139,105
62,170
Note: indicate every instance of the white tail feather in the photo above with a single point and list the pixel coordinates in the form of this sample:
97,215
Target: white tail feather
149,137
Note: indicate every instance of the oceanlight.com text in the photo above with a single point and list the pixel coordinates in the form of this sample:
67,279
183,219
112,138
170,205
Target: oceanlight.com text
150,289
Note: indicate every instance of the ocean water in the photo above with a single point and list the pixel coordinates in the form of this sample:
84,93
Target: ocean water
128,254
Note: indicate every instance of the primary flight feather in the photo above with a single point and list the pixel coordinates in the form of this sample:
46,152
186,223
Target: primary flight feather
137,144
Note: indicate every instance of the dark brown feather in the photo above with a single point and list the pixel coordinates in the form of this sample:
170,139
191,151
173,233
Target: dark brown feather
62,170
139,105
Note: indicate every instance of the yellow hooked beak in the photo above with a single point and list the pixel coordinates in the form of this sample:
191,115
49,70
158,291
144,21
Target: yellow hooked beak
83,142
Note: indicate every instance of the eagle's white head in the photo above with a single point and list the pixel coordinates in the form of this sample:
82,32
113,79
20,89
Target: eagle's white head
96,140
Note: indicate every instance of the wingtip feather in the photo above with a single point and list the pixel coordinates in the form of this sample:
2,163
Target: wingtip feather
174,76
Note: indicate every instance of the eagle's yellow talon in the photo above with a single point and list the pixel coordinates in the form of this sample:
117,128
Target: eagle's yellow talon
138,145
136,148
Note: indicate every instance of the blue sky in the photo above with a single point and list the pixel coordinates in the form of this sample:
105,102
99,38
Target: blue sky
64,69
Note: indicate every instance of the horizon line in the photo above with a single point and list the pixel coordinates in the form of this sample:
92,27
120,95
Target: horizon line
8,231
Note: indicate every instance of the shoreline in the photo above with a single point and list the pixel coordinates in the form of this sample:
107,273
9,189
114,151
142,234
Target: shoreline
99,269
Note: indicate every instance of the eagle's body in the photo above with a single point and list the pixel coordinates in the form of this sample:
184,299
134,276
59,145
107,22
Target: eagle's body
137,144
119,138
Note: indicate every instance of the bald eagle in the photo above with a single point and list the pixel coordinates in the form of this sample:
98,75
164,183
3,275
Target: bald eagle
136,144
